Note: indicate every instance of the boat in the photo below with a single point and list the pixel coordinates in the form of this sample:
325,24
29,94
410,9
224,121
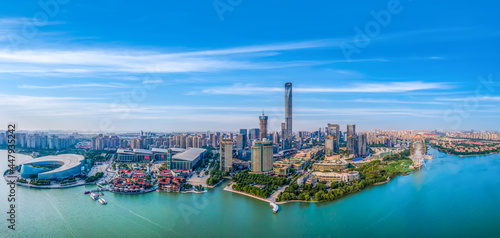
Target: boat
275,207
93,196
86,192
102,201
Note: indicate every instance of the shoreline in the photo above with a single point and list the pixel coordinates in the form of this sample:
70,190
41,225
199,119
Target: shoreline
312,201
492,153
229,189
384,182
290,201
471,155
217,184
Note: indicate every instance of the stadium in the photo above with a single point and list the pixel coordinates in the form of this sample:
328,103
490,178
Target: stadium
53,167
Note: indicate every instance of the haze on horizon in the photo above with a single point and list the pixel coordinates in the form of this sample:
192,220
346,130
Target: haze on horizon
180,66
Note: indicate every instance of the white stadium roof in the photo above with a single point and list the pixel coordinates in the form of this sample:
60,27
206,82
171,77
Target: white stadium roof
68,161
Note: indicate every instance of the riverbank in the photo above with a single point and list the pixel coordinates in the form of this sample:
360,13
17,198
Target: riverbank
381,183
217,184
492,153
299,201
268,199
230,189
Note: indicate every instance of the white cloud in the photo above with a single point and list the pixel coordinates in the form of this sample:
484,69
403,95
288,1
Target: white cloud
87,85
134,61
473,98
392,87
436,58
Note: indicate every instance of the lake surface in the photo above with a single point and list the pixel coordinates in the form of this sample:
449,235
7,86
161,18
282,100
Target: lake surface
450,197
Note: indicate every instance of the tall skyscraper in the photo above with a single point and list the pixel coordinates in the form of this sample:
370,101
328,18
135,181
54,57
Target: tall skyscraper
276,138
226,155
244,134
254,134
263,126
351,139
283,130
329,146
239,141
262,157
288,110
333,135
362,141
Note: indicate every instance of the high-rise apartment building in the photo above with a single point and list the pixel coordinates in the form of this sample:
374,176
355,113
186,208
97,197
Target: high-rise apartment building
239,141
226,155
254,134
276,138
332,141
351,139
244,141
262,157
362,141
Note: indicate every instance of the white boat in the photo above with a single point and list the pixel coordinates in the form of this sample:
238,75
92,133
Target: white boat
275,207
102,201
93,196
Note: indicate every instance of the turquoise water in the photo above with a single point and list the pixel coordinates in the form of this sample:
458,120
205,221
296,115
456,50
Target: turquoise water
451,197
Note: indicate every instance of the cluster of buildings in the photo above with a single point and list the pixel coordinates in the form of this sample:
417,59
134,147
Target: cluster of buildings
171,180
184,141
356,144
474,135
470,147
393,138
130,181
102,142
149,140
39,141
261,156
262,145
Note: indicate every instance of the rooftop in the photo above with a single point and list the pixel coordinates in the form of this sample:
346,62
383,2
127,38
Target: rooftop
67,161
190,154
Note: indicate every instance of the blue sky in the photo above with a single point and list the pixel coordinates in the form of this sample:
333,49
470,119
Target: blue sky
210,65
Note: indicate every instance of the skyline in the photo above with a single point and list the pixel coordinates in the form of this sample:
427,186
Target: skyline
79,72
